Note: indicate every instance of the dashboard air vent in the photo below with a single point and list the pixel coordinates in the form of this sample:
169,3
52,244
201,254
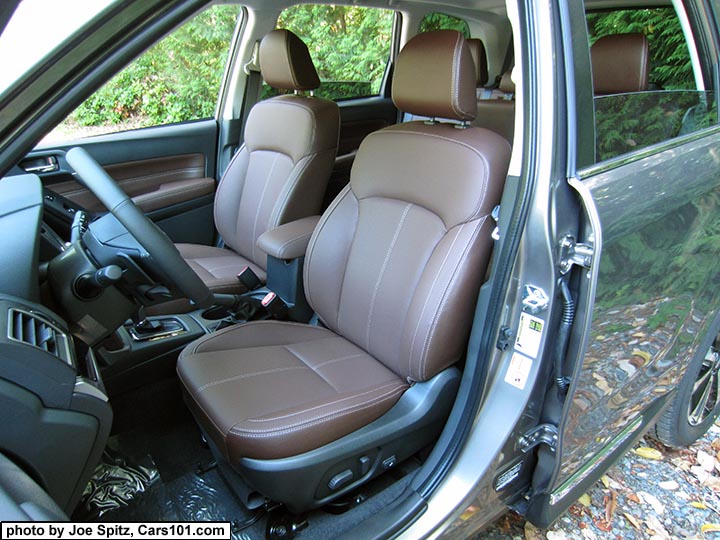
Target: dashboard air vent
34,330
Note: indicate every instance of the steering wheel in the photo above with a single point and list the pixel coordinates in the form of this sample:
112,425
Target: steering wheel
147,234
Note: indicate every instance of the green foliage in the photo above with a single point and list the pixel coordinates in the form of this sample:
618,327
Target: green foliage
349,45
628,122
441,21
176,80
670,63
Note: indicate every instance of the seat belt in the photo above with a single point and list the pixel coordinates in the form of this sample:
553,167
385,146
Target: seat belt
252,88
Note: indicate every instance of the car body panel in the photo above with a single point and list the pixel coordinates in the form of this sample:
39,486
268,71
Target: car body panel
657,289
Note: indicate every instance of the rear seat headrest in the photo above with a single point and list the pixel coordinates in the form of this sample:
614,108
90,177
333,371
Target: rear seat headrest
506,83
620,64
435,77
285,62
477,50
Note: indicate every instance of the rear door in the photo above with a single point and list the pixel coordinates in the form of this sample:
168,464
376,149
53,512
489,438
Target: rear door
651,194
153,127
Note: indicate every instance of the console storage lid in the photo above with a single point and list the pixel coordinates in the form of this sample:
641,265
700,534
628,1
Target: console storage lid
288,241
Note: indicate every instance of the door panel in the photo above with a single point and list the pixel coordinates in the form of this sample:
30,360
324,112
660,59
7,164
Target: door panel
656,299
167,170
358,118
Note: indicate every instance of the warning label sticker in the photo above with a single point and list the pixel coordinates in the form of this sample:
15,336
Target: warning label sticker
530,331
518,371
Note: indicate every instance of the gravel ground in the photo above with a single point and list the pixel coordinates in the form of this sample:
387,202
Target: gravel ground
653,492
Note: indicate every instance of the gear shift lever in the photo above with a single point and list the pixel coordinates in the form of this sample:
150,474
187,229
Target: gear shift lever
143,325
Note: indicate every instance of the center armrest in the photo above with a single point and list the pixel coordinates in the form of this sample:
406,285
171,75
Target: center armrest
288,241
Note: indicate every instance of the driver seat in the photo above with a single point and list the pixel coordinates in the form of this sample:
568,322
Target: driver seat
278,175
306,412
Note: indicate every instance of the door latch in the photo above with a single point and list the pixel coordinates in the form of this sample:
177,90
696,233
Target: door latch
546,434
573,253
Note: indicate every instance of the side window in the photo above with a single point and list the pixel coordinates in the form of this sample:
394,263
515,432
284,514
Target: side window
442,21
176,80
349,45
671,106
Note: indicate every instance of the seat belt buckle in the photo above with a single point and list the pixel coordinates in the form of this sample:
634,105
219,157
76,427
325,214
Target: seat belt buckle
247,277
274,305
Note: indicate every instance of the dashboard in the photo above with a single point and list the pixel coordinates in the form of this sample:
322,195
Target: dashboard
56,415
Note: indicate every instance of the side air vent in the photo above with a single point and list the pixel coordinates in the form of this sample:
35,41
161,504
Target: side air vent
34,330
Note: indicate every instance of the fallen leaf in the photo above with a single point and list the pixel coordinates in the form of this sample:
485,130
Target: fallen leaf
700,473
532,532
656,528
652,501
585,500
632,497
633,520
706,461
589,534
698,505
648,453
669,485
713,482
710,527
605,481
610,506
602,525
715,445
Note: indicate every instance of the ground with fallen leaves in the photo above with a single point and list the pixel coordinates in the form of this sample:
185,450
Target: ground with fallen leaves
654,493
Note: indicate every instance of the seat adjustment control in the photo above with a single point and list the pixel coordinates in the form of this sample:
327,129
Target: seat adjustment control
340,479
364,463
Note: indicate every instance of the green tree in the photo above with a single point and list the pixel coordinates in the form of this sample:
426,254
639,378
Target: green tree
670,65
442,21
178,79
349,45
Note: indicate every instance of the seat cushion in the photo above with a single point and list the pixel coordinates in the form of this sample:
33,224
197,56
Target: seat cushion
271,389
218,267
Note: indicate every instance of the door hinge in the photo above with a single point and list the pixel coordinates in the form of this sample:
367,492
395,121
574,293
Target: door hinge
573,253
543,434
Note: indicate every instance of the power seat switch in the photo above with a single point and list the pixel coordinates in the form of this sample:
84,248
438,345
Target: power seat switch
340,479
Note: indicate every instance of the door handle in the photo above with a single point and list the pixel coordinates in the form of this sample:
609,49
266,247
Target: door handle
39,165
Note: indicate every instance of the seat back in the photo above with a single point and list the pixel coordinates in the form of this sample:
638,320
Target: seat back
396,261
479,56
497,113
281,171
620,64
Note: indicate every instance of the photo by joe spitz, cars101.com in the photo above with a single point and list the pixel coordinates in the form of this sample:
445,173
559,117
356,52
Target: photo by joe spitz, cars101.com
373,269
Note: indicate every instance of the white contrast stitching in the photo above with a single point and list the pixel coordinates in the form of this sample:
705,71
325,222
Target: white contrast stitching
382,273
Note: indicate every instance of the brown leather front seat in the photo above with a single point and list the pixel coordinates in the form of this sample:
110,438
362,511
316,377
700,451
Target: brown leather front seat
281,171
392,271
620,64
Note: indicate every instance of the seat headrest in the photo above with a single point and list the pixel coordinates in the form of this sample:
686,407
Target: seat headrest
435,77
506,83
620,64
285,62
477,50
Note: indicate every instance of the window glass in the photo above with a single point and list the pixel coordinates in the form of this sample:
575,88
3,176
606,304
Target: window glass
36,28
176,80
442,21
672,106
349,45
